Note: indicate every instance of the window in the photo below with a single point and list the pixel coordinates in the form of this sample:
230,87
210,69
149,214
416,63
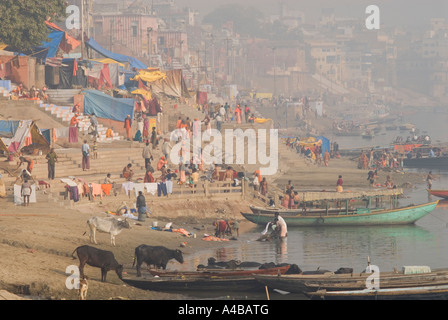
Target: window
134,26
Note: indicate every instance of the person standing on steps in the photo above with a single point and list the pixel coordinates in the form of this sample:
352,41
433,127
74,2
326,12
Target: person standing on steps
128,127
52,158
85,156
26,192
146,154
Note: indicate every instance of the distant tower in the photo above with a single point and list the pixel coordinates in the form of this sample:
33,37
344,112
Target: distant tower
283,9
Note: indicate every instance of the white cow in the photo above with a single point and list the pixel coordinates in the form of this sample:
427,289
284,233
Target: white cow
108,225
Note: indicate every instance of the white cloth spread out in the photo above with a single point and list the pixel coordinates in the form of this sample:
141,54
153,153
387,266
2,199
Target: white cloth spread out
18,198
128,186
69,182
151,188
169,187
139,187
61,132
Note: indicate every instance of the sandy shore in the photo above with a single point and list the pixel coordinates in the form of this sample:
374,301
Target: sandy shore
36,242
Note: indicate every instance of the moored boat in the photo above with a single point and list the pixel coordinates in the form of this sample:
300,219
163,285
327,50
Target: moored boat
220,272
211,285
362,217
368,134
330,281
427,162
438,193
411,293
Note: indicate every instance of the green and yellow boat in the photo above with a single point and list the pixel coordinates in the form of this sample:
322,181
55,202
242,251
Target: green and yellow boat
357,217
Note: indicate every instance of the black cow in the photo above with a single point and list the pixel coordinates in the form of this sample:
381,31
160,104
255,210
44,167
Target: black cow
155,255
97,258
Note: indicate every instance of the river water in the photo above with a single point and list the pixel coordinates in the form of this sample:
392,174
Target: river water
423,244
432,123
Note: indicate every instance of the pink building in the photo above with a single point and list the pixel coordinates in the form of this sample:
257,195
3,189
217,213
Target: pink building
134,34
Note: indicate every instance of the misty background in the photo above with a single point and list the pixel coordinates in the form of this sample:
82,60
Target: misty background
393,12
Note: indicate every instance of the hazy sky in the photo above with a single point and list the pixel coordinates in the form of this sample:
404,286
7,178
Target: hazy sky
393,12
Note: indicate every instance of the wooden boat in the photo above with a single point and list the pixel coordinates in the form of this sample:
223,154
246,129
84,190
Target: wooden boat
407,126
220,272
205,284
362,217
439,193
368,135
411,293
304,211
303,283
347,132
391,128
427,162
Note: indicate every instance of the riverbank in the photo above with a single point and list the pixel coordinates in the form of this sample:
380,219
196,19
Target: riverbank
36,242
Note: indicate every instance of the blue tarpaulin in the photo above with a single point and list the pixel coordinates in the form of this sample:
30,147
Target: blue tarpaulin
53,46
6,84
325,144
8,128
134,63
107,107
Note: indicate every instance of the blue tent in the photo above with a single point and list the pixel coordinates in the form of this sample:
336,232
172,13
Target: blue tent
107,107
325,144
134,63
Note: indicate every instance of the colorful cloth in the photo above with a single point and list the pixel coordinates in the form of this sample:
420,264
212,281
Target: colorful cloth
96,190
106,188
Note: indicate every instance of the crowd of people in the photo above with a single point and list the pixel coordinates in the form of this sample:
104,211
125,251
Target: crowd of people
33,93
228,113
385,159
314,151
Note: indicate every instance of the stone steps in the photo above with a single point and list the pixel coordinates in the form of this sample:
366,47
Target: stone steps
64,114
69,164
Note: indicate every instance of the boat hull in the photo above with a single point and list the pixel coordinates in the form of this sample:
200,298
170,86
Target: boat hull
304,284
439,193
430,163
412,293
399,216
219,273
195,284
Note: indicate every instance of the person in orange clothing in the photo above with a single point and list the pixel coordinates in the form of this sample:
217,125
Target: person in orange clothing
128,126
74,121
238,114
149,177
258,175
162,162
178,123
28,161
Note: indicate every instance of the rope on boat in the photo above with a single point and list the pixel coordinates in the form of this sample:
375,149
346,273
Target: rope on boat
430,213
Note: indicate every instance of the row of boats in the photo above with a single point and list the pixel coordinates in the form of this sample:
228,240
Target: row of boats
412,282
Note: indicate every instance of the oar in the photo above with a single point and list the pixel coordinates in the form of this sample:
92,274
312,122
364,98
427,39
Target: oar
267,292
